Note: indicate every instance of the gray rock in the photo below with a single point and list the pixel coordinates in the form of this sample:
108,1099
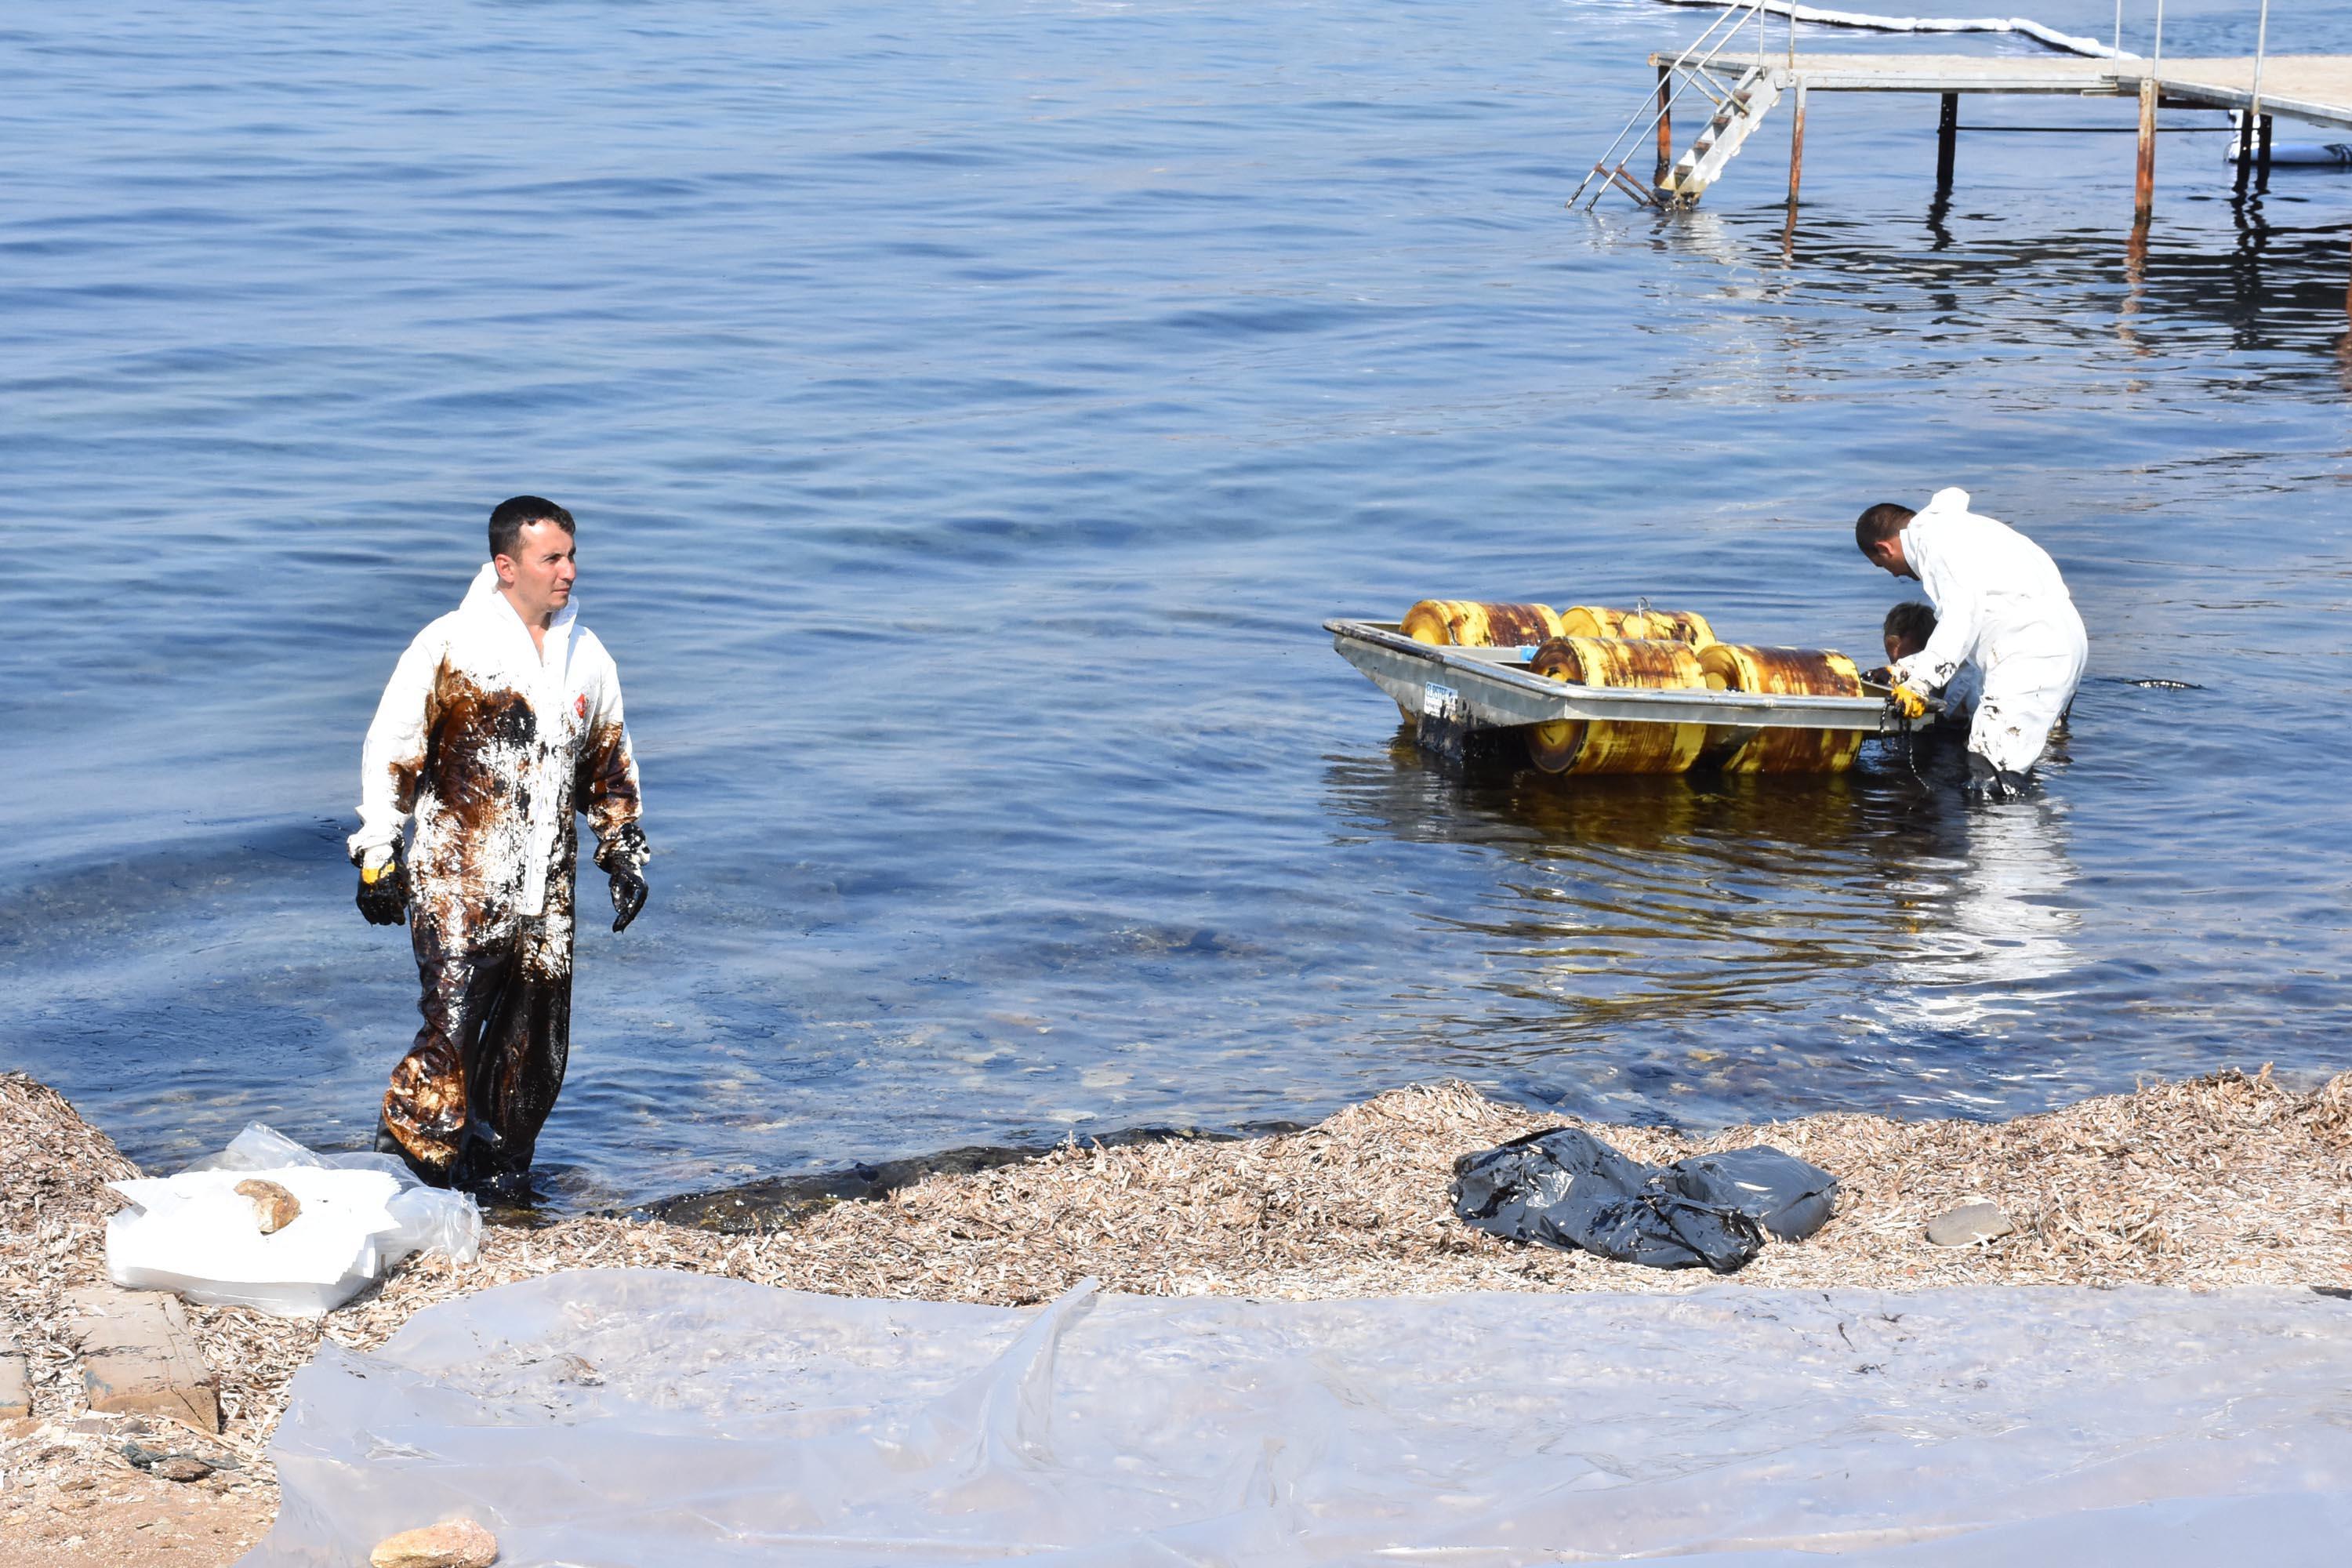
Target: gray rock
1967,1224
173,1466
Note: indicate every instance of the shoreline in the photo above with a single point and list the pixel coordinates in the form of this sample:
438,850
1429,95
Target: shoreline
2227,1180
752,1208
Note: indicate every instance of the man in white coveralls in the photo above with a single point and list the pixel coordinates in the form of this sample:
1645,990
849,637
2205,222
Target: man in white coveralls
502,717
2000,605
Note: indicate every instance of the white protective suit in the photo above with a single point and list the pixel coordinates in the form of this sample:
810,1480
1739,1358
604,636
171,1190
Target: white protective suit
484,647
2000,605
493,745
1960,694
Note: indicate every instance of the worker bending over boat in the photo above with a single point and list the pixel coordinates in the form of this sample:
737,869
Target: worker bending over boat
2000,605
502,717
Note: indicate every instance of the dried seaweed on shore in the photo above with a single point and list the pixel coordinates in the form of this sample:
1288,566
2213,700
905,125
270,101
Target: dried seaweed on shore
54,1168
2227,1180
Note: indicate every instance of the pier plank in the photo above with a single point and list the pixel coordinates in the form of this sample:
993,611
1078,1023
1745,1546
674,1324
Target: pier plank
2316,89
140,1357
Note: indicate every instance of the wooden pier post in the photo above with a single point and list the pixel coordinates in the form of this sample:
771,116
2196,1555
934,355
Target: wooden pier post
1797,144
2144,187
1948,139
1665,126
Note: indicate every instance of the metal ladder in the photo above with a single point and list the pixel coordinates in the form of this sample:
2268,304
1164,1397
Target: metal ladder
1750,100
1742,90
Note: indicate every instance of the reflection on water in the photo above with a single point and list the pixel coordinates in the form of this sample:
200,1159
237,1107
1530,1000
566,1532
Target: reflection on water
1974,933
2267,286
1687,915
1634,898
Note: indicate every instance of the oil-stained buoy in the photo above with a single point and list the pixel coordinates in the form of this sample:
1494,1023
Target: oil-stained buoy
1642,625
1787,672
1475,623
1472,623
1604,746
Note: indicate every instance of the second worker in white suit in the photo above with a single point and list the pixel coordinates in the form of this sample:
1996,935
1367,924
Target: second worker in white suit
2000,605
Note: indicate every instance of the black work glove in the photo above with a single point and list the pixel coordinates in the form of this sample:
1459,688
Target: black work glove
622,857
384,893
629,892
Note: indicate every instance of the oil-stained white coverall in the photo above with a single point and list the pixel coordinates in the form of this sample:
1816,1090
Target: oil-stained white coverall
493,745
2000,605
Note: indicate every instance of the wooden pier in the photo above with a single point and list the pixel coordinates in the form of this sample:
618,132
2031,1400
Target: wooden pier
2313,89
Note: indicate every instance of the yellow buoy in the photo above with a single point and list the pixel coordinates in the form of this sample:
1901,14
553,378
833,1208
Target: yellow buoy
1648,626
1475,623
1580,746
1471,622
1787,672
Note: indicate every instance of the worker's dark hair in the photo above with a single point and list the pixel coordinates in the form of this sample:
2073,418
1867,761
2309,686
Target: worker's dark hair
1884,520
509,517
1912,622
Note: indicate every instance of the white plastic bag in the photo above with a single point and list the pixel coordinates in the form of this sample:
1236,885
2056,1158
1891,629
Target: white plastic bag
361,1214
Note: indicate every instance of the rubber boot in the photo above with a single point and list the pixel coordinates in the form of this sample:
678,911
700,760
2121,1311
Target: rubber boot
1992,782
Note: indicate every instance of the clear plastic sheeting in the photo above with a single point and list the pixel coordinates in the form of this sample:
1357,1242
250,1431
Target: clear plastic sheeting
635,1417
195,1233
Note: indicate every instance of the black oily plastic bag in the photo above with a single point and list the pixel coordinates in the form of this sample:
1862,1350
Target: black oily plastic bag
1789,1197
1566,1189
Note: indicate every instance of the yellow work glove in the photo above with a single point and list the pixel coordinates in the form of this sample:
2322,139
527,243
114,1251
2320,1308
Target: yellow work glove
1907,703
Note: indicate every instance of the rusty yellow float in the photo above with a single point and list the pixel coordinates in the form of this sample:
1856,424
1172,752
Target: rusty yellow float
1608,746
1786,672
1481,623
1643,624
1474,623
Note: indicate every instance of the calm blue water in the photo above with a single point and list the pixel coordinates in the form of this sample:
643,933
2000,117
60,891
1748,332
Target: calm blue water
973,410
